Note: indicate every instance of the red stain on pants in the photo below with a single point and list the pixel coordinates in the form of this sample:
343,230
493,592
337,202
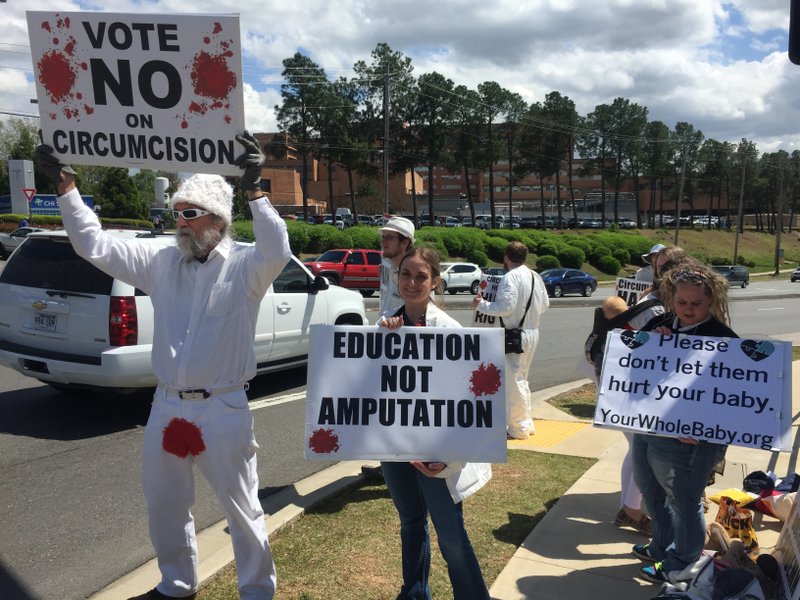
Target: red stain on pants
182,437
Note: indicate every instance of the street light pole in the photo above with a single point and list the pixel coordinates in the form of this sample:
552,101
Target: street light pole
386,141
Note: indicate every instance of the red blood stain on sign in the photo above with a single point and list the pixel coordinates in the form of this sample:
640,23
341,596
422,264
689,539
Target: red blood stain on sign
324,441
485,380
483,284
46,26
217,28
211,76
57,75
182,438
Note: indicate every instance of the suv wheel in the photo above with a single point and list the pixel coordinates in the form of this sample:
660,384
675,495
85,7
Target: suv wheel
367,293
443,287
473,289
744,284
332,277
587,291
558,292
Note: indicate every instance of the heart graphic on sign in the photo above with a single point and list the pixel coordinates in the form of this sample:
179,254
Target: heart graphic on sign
757,350
634,339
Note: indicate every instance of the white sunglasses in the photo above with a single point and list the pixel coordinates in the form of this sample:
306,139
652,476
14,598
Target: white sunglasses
189,213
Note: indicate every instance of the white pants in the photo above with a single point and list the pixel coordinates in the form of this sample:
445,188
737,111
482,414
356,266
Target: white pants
519,419
216,434
630,496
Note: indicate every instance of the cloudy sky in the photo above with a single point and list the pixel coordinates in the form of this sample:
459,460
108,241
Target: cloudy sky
721,66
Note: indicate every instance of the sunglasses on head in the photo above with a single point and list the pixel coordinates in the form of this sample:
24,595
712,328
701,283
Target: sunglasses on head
189,213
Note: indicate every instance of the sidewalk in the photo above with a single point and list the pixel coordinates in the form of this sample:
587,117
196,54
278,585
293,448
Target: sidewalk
576,551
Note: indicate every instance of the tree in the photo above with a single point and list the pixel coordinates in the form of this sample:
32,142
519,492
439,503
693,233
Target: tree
594,146
467,119
686,141
493,99
432,112
511,135
628,121
118,196
304,93
561,120
656,152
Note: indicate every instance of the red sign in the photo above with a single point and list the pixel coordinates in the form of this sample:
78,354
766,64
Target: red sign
29,193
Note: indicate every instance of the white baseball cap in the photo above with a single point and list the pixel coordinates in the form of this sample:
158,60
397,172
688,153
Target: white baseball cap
654,250
400,225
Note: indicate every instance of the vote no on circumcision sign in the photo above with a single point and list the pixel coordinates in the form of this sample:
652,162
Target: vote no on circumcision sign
143,90
414,393
727,391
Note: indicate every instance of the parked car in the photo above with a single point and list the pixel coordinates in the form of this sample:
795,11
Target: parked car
626,224
496,271
795,275
560,282
452,222
355,269
328,220
460,277
68,324
9,241
365,220
735,274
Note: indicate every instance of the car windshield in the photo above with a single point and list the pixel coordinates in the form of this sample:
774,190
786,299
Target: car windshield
332,256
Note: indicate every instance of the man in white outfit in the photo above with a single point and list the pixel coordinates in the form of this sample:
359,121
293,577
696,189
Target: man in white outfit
397,238
511,303
206,292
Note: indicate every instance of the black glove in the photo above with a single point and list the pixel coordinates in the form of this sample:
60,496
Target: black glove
250,162
49,165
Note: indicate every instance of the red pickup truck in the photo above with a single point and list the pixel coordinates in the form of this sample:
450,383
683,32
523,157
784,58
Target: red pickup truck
355,269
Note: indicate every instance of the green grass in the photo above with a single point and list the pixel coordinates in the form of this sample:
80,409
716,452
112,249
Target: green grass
348,548
579,403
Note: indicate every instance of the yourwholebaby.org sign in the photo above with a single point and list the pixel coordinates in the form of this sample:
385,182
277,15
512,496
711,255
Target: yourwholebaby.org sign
414,393
727,391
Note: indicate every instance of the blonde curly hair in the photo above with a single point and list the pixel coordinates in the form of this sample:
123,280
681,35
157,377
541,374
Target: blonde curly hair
714,285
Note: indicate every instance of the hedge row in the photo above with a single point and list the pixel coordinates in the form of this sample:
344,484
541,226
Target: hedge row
606,251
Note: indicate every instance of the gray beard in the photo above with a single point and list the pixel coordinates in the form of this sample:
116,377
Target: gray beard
197,245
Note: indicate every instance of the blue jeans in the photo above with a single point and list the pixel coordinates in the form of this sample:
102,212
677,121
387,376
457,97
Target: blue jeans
672,476
415,495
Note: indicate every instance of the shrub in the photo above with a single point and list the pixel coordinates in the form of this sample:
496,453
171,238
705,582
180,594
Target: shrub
572,257
477,256
547,262
548,248
622,255
365,237
495,248
608,264
298,236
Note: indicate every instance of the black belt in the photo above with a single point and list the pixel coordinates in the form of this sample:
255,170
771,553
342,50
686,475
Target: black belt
203,394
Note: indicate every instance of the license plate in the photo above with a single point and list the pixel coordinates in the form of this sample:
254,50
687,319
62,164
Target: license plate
44,322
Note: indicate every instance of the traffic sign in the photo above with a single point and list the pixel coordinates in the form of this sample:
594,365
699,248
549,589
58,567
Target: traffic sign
29,193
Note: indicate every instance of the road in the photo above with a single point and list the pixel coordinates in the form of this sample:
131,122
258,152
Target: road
72,517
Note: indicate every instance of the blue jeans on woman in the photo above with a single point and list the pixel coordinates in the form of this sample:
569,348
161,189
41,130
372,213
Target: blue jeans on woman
415,495
672,476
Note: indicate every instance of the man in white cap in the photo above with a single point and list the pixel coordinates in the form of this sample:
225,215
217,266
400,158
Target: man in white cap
397,238
206,292
646,272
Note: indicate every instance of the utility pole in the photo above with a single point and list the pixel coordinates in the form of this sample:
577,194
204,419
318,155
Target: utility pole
740,213
680,195
386,141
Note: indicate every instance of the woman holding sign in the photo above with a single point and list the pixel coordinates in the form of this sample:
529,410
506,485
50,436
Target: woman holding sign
672,473
435,488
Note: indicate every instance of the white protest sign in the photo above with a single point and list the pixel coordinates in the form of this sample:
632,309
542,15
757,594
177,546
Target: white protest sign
630,289
413,393
727,391
139,90
488,288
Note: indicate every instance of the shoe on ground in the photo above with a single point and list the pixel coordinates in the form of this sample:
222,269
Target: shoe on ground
372,473
643,525
642,552
154,594
654,573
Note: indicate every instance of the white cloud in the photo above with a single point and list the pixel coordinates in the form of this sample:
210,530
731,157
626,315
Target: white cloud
719,65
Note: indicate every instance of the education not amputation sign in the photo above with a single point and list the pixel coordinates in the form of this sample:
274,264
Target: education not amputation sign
139,90
727,391
414,393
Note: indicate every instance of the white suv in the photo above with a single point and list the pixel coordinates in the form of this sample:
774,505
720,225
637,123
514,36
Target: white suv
460,277
68,324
